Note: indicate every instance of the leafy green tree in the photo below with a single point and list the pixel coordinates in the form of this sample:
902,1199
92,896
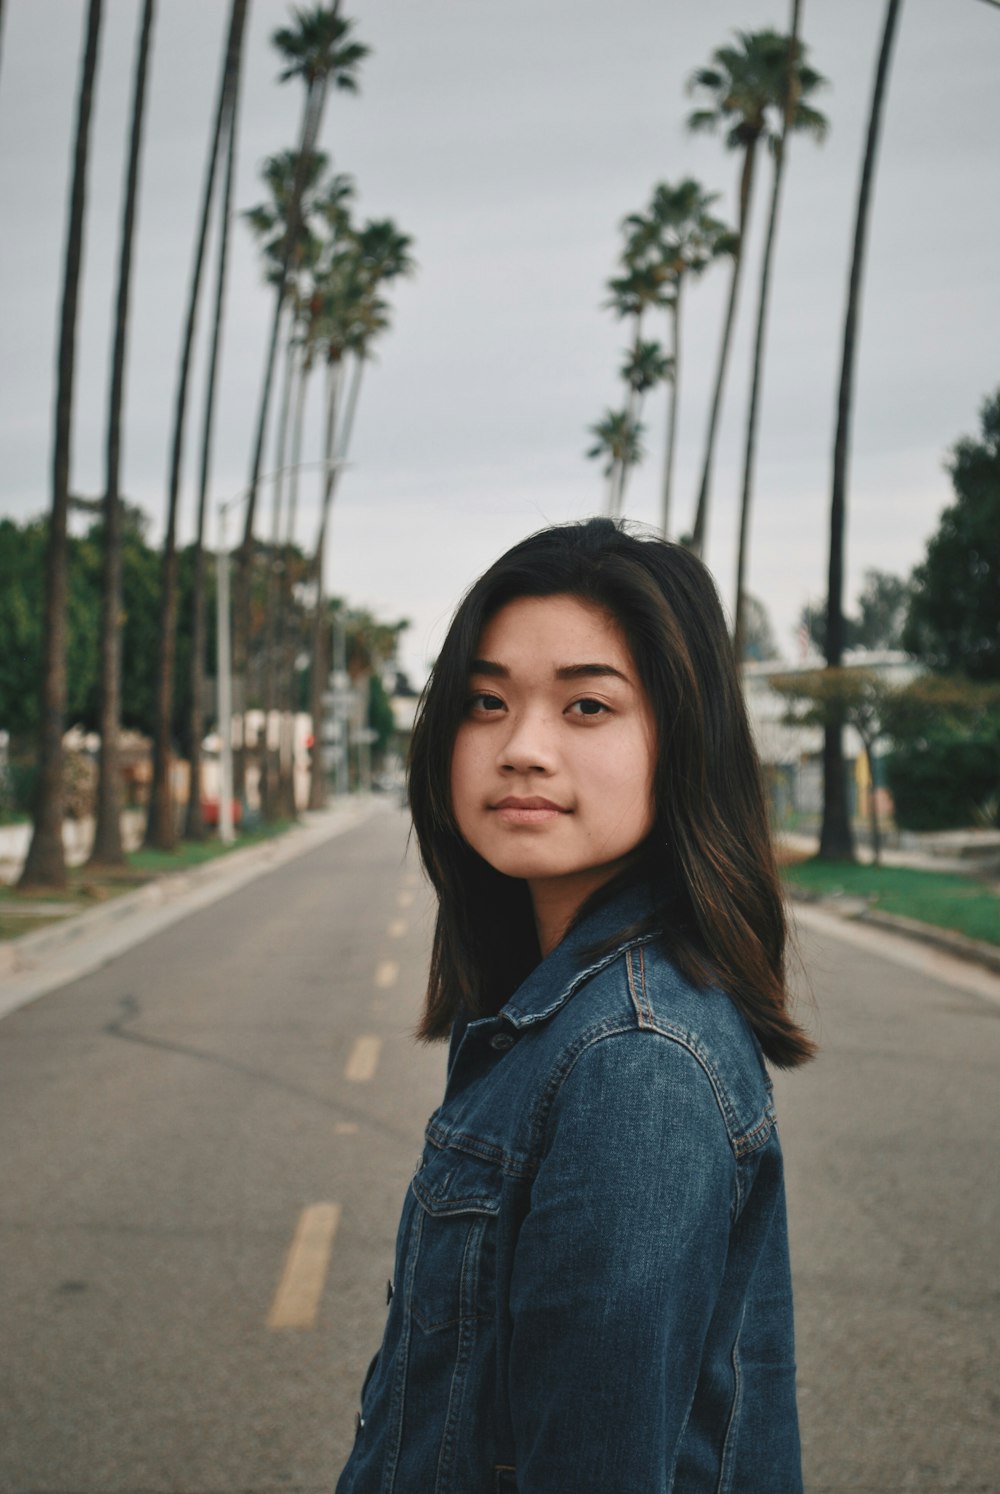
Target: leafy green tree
883,603
954,616
944,766
45,864
108,849
796,114
836,843
858,696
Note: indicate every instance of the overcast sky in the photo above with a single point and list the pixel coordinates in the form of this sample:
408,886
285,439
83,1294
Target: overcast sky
510,141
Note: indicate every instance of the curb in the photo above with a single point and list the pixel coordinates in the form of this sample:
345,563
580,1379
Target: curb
38,962
854,910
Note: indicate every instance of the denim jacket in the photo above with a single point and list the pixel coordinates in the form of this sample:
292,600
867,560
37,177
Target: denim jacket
592,1290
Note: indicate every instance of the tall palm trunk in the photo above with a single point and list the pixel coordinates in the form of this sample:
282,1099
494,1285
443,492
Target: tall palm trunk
700,526
270,796
621,469
309,134
673,402
286,641
195,824
45,864
757,376
108,848
836,840
320,665
160,825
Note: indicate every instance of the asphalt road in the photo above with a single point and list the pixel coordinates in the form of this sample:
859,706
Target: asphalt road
205,1145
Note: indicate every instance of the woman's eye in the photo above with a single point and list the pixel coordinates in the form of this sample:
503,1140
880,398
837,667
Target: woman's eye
589,708
484,701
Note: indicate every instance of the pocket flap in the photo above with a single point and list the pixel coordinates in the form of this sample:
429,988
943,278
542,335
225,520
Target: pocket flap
450,1182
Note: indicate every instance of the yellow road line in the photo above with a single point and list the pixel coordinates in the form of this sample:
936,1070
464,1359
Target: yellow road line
386,974
397,928
363,1059
296,1302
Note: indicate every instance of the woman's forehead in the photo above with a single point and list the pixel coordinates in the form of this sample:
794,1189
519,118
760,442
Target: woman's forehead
561,625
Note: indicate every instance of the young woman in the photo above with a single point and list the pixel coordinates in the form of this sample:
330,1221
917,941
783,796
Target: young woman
592,1291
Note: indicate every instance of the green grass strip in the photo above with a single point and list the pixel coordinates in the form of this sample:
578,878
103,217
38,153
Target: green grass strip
939,898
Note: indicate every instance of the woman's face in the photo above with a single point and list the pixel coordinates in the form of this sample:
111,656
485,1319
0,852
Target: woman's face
552,769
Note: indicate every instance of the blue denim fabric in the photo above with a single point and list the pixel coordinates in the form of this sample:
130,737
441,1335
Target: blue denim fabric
592,1290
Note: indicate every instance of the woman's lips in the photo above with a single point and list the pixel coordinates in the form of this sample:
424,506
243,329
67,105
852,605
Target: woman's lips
531,811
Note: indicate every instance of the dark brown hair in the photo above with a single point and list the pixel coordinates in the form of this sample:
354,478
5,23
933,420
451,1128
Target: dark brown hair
709,857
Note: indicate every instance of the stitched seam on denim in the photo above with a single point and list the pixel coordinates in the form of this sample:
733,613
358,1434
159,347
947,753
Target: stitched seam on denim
742,1141
636,1002
487,1151
606,1031
475,1234
456,1390
640,997
397,1406
734,1411
524,1019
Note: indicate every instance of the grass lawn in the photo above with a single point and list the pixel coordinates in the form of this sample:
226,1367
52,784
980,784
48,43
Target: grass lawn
21,912
950,902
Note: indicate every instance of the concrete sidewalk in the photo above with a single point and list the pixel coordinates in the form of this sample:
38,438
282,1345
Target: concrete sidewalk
40,962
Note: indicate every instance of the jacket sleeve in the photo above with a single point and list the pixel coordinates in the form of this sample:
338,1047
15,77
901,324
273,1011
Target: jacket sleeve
617,1268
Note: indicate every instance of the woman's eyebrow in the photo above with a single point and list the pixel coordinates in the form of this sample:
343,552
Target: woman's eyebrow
495,670
589,671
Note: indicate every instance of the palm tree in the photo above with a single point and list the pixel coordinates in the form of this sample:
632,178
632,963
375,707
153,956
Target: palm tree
618,441
228,125
320,51
836,841
321,205
354,316
645,366
745,87
107,848
640,287
797,114
45,864
160,826
680,235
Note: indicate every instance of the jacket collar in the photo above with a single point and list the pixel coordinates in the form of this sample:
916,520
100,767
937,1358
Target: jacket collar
573,961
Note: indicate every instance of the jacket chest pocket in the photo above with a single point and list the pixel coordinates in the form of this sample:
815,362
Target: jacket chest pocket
454,1273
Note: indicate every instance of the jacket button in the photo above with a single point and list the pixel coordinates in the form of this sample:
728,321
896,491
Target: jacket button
388,1293
500,1042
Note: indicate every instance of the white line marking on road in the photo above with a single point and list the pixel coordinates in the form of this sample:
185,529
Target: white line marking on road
397,928
404,899
346,1128
296,1302
363,1059
386,974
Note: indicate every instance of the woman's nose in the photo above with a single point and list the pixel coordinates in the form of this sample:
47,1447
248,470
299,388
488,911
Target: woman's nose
529,746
